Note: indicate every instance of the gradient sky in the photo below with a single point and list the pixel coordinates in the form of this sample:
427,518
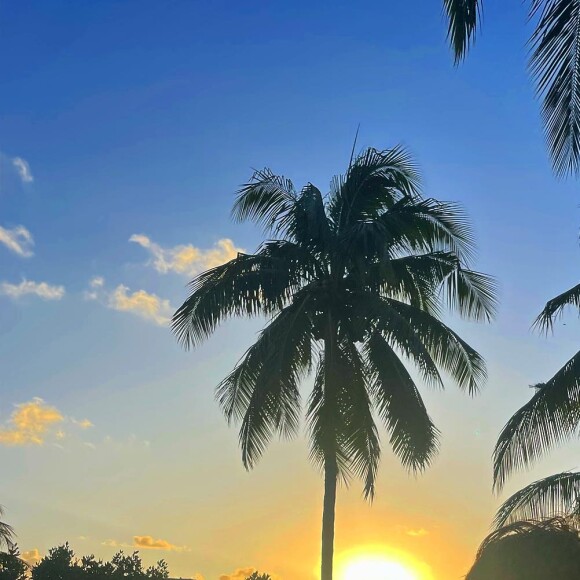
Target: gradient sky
126,128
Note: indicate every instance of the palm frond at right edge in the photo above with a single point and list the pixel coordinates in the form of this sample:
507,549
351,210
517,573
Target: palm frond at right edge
550,417
555,66
554,308
556,494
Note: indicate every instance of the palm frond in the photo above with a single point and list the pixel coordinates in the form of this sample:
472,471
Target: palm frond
361,438
375,180
249,285
555,66
554,495
307,224
325,424
6,531
554,308
413,436
464,364
266,199
472,294
415,279
425,225
262,391
464,17
550,417
340,417
399,331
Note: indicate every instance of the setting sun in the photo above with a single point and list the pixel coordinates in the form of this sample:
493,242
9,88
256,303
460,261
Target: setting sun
377,568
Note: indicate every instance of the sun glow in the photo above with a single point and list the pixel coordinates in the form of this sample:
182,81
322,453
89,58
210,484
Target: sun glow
380,563
377,568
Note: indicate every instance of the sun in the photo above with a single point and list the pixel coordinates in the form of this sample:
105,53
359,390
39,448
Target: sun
377,568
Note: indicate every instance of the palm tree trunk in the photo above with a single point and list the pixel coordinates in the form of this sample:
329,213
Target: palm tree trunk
330,476
330,465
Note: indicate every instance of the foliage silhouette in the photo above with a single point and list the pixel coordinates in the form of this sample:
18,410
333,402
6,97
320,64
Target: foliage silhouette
258,576
550,417
12,567
529,550
61,564
554,64
352,283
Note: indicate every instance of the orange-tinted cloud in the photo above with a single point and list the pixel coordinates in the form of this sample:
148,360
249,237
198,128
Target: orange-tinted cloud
30,423
150,543
419,533
239,574
140,302
31,557
187,259
35,422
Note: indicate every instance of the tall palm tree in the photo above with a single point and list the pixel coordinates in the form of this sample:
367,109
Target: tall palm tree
550,417
554,64
351,283
6,531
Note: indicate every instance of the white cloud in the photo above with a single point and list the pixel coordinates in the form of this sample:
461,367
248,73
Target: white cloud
187,259
141,303
40,289
23,169
19,240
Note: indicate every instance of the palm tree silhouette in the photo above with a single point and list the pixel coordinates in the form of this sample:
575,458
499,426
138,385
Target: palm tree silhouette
6,531
352,283
550,417
554,64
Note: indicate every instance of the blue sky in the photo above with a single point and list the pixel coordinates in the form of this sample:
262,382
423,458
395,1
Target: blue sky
142,118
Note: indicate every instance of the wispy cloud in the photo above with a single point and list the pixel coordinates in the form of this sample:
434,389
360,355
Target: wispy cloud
115,544
18,239
239,574
141,303
26,287
30,423
419,533
23,169
150,543
31,557
83,424
33,423
146,543
187,259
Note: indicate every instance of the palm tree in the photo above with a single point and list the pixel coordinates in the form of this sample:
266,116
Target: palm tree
350,283
550,417
6,531
554,64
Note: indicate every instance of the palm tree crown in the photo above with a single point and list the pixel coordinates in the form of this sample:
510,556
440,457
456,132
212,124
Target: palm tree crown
352,285
550,417
554,64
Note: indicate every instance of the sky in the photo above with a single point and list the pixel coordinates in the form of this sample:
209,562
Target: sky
125,130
